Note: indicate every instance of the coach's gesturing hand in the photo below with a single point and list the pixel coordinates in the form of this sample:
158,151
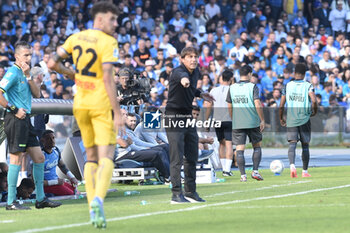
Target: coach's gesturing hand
185,82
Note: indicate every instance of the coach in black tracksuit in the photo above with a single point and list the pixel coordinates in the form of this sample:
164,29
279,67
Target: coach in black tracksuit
183,141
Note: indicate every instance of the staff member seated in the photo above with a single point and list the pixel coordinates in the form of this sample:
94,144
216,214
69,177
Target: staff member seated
52,183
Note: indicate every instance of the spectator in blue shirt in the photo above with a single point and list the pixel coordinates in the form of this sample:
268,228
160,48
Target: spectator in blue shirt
326,93
267,81
279,66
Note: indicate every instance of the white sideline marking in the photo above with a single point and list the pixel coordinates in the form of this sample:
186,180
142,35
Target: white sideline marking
184,209
285,206
257,189
7,221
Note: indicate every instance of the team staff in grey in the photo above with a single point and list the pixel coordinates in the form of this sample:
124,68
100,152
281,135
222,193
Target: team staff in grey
247,120
17,88
183,142
221,113
301,105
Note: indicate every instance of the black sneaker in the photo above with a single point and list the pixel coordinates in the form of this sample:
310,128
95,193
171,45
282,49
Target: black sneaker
47,203
194,197
227,173
17,206
178,199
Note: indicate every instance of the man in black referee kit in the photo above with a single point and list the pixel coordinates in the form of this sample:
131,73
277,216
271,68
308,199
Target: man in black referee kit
247,120
18,87
183,141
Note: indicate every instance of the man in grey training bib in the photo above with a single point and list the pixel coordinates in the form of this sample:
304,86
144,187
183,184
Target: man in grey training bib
300,97
247,120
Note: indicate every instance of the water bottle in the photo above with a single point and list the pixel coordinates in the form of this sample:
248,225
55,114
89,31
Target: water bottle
77,196
220,180
131,193
143,202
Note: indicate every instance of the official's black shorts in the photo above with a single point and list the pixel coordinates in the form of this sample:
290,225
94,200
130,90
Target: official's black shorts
302,133
225,131
20,133
239,136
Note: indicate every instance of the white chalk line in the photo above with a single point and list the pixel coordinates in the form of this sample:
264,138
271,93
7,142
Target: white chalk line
7,221
257,189
184,209
286,206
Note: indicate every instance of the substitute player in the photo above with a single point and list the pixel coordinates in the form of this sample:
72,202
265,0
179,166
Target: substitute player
94,51
224,133
247,120
300,97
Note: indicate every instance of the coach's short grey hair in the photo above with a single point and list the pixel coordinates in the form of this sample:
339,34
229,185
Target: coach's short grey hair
36,71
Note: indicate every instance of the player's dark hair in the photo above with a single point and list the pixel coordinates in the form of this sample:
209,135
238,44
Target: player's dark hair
131,114
227,75
27,183
47,132
22,44
300,68
103,7
196,108
245,70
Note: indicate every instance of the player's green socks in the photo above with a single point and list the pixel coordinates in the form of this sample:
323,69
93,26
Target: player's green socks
103,177
38,174
12,178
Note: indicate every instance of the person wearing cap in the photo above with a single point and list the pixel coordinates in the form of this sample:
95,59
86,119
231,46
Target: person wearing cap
149,69
154,99
278,67
201,36
250,58
301,101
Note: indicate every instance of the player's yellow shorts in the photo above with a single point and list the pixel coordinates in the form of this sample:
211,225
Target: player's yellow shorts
96,127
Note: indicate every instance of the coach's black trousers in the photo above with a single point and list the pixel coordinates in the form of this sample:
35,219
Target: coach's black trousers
183,146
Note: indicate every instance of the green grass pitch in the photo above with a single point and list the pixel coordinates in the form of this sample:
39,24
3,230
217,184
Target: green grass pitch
277,204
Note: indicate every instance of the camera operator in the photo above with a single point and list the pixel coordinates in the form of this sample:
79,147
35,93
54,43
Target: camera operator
133,88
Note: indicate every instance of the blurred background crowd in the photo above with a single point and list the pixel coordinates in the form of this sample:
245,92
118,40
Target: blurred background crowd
271,36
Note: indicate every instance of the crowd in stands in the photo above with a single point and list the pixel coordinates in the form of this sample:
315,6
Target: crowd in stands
271,36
